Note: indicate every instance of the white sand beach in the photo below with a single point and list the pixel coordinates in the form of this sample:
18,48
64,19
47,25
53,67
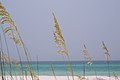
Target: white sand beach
61,78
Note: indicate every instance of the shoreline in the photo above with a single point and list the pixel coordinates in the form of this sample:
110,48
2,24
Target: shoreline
61,78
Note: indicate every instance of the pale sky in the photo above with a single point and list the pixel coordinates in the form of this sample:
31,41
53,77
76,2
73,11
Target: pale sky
86,22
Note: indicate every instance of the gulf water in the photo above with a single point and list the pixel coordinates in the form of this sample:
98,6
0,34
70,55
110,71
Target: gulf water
61,67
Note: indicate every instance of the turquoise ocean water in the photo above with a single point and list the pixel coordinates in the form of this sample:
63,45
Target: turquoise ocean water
60,68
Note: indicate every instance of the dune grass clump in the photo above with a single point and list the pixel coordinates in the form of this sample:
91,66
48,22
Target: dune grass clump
87,58
108,57
12,32
5,59
61,45
108,60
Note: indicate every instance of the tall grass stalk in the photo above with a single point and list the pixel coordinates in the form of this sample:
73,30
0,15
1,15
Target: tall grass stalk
26,75
63,58
1,67
61,45
3,64
108,60
1,61
67,75
53,71
66,69
37,67
70,64
84,73
106,52
88,58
